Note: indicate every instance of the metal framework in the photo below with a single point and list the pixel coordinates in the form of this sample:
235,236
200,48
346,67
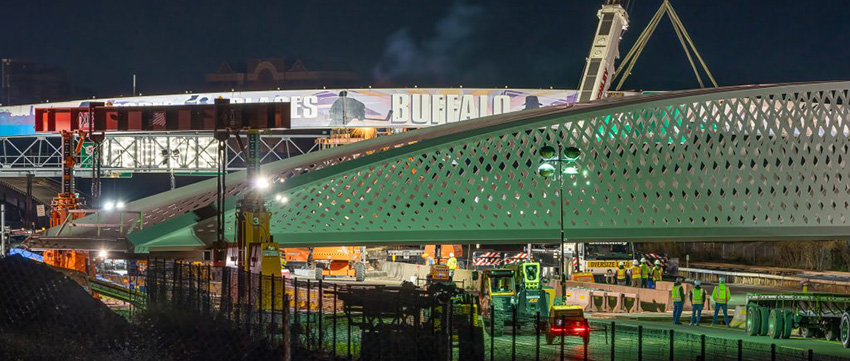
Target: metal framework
747,162
127,153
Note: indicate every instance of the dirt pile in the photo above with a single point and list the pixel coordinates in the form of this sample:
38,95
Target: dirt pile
42,310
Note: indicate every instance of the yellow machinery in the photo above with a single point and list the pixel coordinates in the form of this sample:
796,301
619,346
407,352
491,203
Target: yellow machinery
257,252
567,320
439,273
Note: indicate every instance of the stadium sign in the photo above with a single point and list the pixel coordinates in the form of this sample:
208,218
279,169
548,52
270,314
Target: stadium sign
329,108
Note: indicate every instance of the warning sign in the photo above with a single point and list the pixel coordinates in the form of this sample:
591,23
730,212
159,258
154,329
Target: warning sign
602,264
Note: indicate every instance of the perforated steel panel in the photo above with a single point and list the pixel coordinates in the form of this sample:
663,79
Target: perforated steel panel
760,163
763,162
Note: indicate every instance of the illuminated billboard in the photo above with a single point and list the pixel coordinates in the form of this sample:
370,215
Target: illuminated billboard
327,108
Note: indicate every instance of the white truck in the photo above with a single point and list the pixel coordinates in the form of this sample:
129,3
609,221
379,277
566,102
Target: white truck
598,258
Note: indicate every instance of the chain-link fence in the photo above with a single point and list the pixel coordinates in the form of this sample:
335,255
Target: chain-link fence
350,321
322,319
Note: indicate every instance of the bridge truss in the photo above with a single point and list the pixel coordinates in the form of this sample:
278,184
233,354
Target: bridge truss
192,153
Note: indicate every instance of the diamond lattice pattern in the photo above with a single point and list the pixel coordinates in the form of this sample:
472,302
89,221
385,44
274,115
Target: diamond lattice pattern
752,160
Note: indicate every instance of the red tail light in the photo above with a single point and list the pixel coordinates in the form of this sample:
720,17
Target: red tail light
575,328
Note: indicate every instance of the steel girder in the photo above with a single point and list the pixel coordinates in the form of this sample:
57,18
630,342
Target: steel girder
748,162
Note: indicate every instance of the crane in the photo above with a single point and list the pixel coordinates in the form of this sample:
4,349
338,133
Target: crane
600,72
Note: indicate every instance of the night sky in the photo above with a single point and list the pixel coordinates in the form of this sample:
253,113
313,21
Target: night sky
172,44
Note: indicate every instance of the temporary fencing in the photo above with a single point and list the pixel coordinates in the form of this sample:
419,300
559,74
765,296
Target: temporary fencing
349,321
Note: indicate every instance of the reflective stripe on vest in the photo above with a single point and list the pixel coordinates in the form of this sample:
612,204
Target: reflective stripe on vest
621,273
636,272
696,295
721,293
677,293
657,273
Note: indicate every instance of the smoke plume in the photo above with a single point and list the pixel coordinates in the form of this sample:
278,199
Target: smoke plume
441,58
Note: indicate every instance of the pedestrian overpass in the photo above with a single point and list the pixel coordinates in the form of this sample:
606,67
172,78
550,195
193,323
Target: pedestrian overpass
765,162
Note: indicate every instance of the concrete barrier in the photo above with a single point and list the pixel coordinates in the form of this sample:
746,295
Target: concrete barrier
660,296
581,298
412,272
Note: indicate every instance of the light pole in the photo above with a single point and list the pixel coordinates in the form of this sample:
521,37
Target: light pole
550,157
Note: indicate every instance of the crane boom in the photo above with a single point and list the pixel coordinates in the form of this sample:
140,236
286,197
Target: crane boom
596,78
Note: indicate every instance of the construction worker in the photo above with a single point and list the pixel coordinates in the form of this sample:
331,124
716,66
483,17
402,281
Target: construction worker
697,302
677,296
637,276
621,274
644,273
609,277
452,264
657,272
720,294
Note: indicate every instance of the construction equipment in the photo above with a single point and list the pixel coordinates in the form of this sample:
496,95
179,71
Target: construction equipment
322,262
64,206
439,273
256,251
625,67
599,71
567,320
441,255
517,286
424,255
816,315
597,258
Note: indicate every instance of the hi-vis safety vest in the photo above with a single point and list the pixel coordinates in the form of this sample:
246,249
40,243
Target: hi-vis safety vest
636,272
644,270
677,293
696,296
452,263
720,294
657,273
621,273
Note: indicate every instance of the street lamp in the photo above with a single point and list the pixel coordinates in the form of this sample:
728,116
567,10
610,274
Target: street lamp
560,163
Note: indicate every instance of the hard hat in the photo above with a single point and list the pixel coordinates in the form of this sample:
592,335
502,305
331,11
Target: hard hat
658,262
451,254
622,264
643,260
635,262
722,280
697,283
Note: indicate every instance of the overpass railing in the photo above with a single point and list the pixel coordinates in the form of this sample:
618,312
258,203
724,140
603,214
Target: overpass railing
123,154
